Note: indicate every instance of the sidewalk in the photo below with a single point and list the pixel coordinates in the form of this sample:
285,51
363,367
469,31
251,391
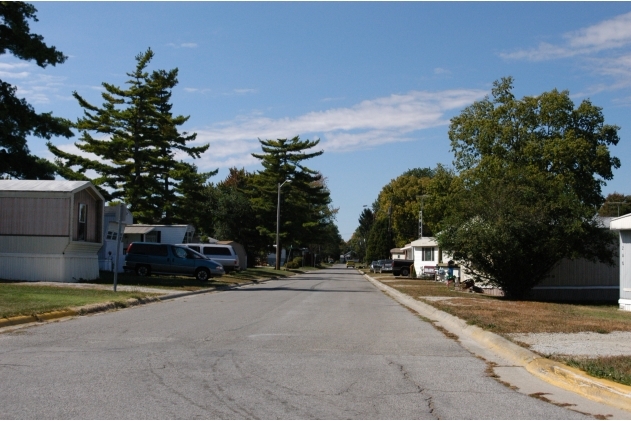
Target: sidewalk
511,361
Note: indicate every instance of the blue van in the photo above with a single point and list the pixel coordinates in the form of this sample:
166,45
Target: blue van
169,259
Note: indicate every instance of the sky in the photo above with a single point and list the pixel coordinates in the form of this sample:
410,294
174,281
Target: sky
376,82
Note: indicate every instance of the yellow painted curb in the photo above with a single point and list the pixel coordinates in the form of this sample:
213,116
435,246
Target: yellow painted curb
577,381
17,320
57,314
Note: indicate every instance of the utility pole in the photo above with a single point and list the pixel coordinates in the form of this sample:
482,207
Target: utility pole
278,225
617,203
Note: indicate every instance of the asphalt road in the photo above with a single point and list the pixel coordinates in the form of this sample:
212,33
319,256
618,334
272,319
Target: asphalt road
324,345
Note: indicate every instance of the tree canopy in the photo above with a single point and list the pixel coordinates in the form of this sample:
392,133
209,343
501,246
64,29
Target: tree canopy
616,204
399,202
529,186
134,139
305,200
18,118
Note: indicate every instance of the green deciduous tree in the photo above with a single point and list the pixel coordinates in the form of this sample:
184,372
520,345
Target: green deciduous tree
616,204
399,202
18,119
529,186
133,139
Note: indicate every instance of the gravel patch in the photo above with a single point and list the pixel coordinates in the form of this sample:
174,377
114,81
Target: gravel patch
583,344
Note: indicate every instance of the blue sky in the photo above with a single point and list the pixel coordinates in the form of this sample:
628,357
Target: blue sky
376,82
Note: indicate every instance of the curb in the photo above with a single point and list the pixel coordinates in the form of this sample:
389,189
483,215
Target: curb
553,372
101,307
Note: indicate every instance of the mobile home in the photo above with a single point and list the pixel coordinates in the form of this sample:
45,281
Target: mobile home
50,230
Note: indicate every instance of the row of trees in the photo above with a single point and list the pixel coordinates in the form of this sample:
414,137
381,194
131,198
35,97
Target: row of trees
243,206
132,149
524,193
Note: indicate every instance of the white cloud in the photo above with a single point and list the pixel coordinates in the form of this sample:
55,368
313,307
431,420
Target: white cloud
13,66
182,45
245,91
606,35
368,124
13,75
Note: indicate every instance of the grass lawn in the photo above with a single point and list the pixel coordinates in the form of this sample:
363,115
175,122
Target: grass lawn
503,316
16,300
25,300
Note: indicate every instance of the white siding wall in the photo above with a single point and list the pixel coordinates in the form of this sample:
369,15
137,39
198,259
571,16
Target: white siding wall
172,235
419,263
48,267
33,244
625,270
78,262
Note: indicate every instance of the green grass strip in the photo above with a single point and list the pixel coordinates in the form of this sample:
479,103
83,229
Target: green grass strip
25,300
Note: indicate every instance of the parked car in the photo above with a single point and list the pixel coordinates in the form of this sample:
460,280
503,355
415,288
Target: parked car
401,267
350,263
170,259
386,266
375,266
222,253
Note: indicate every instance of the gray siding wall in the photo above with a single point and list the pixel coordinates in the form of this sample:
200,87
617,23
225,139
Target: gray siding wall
34,216
32,244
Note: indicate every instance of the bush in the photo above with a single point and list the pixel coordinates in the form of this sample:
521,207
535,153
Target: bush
292,265
298,260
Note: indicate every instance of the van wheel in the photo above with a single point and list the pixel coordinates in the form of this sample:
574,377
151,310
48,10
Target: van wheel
143,271
202,274
405,271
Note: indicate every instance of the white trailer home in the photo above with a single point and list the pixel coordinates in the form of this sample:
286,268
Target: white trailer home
623,226
50,230
166,234
427,255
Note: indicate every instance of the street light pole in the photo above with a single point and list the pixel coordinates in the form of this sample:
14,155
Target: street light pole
278,225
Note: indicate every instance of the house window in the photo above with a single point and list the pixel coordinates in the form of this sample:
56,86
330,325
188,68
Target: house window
427,254
111,235
82,227
153,237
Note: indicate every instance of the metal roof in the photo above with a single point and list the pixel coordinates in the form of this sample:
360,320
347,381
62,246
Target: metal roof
621,223
134,229
64,186
424,242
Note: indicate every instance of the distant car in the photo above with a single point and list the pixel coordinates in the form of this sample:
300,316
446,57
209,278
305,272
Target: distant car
375,266
386,266
350,263
169,259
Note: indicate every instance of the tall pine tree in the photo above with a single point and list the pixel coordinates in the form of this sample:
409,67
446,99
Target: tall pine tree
135,138
304,202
